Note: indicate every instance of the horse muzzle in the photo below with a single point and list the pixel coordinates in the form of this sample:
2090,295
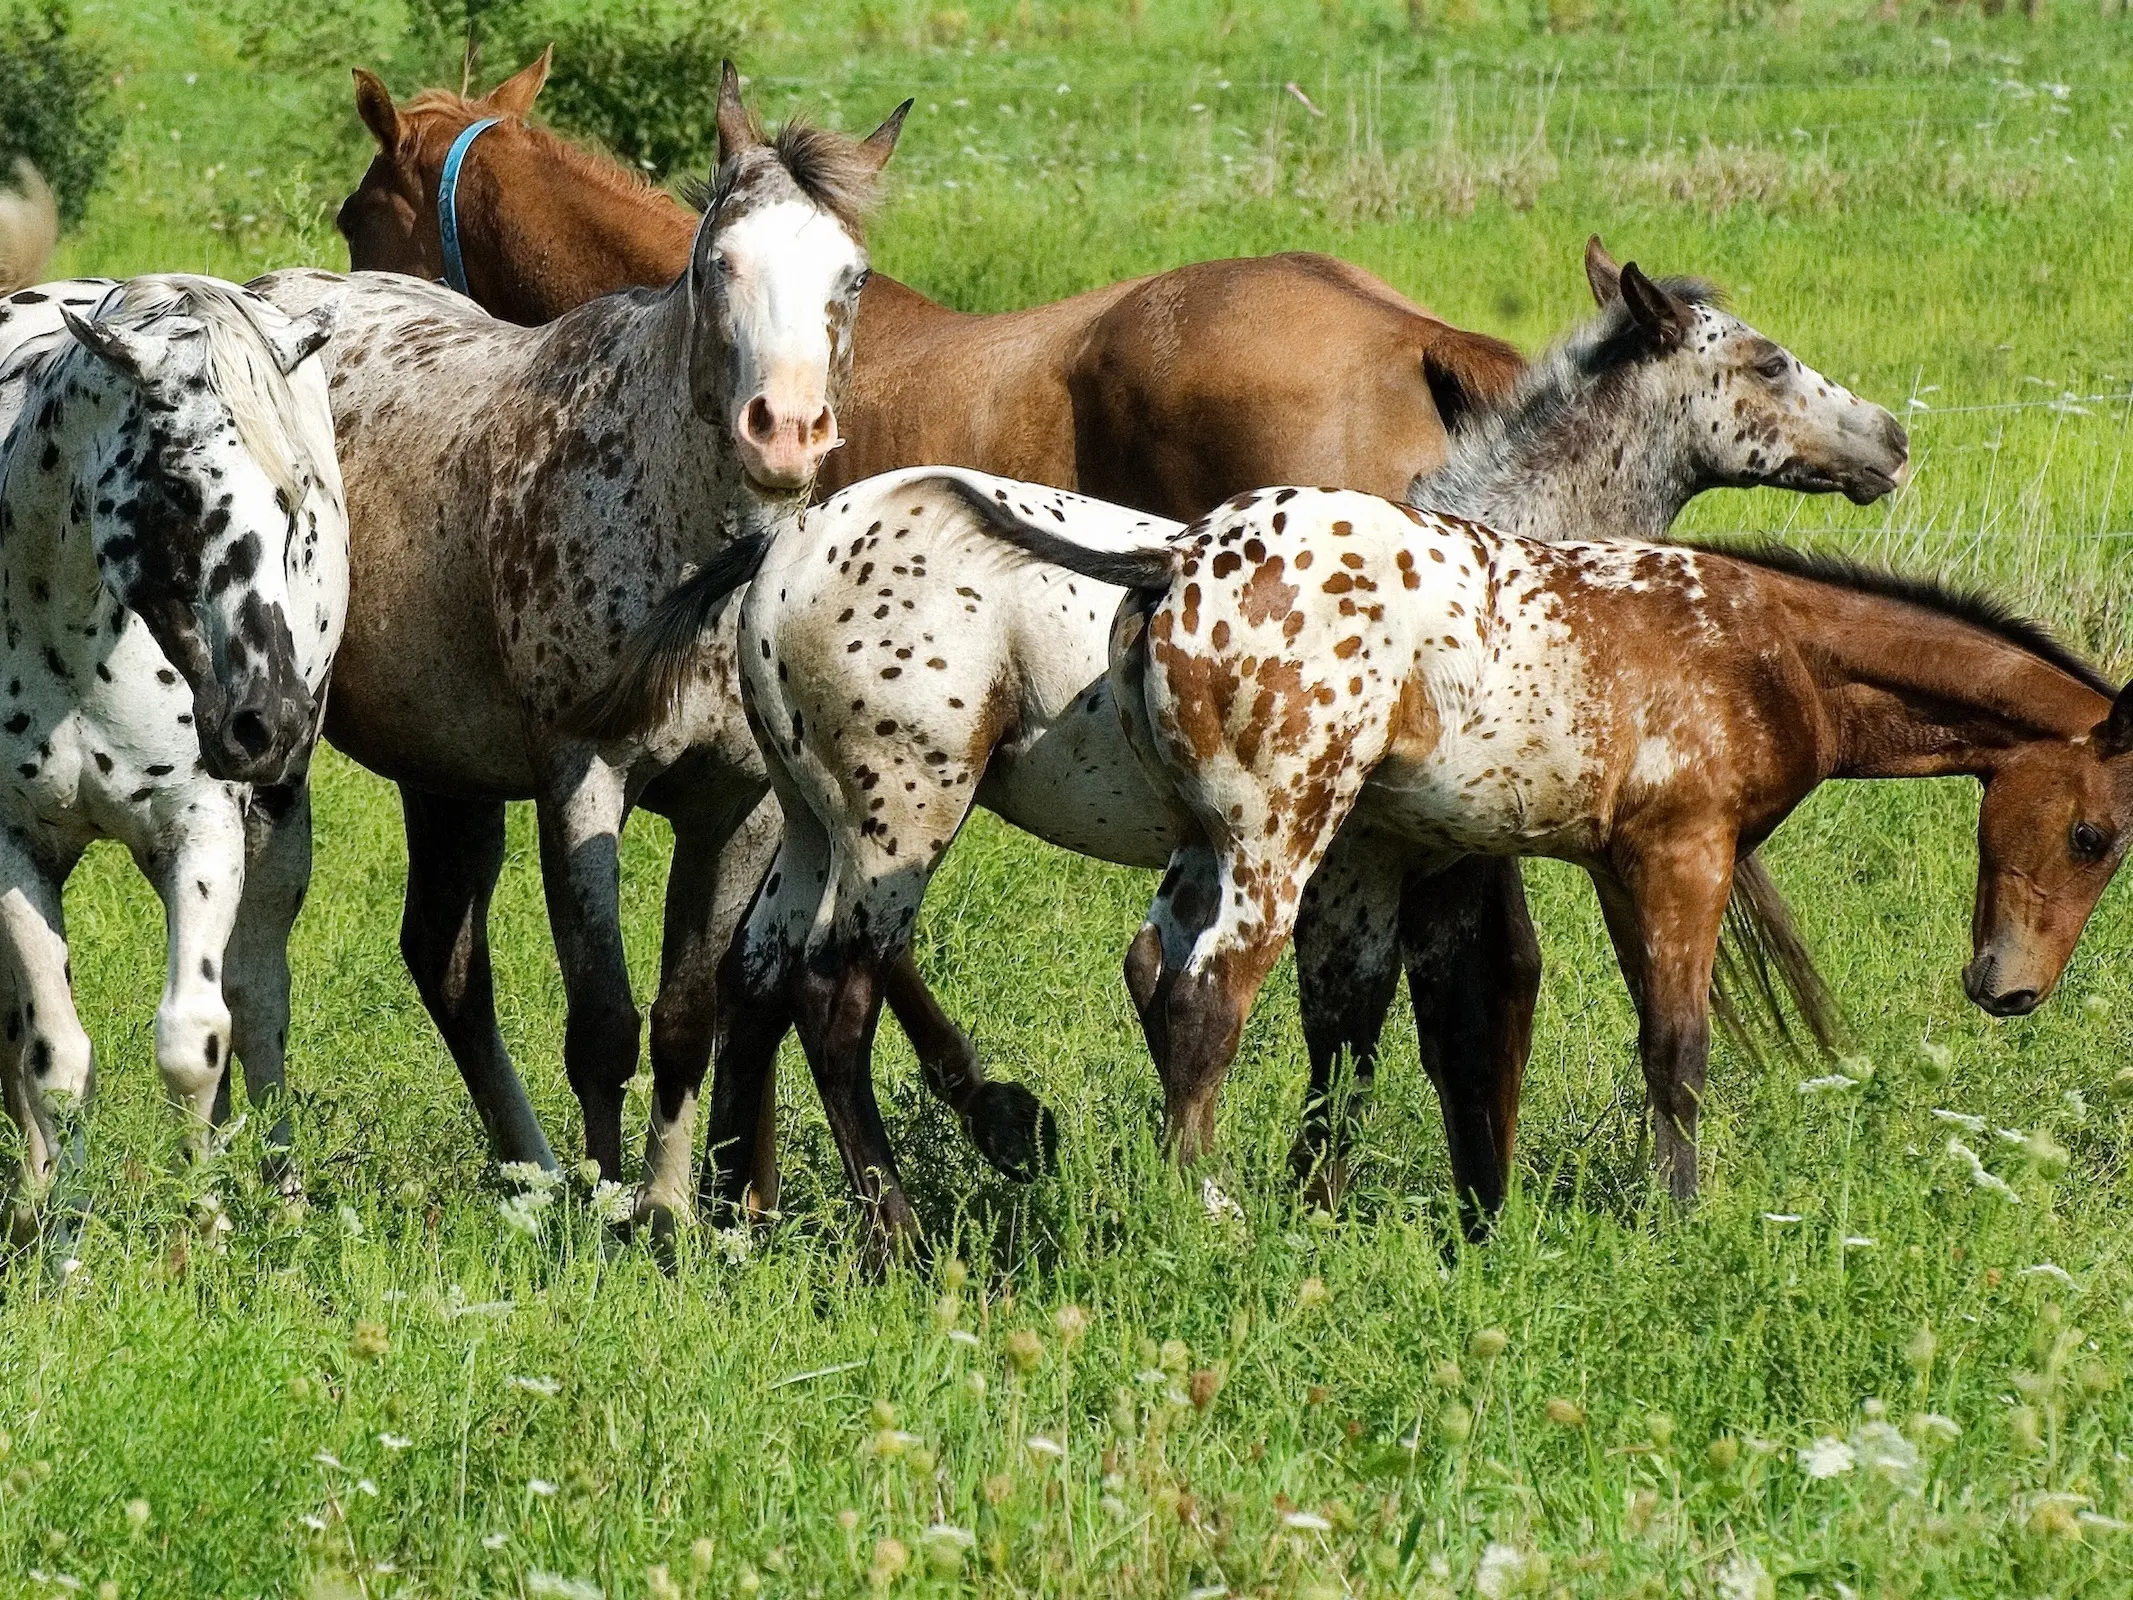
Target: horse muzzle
264,735
1999,993
781,445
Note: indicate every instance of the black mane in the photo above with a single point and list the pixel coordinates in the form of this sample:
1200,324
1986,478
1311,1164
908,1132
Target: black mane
1938,595
826,165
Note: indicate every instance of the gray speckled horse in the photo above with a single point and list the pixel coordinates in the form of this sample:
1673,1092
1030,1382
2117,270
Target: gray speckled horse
519,499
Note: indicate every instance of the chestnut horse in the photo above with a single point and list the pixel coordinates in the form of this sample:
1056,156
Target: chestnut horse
1306,666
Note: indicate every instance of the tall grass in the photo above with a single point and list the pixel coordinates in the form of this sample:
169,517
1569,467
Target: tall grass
398,1391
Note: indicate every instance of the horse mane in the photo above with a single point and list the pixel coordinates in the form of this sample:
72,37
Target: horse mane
1547,395
29,228
829,167
594,166
274,429
1939,595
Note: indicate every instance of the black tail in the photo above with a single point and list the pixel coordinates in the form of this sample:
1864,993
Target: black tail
1762,965
644,686
1152,566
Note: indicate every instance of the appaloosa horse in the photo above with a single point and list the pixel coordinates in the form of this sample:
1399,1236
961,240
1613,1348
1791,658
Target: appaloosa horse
173,579
519,498
899,670
1311,665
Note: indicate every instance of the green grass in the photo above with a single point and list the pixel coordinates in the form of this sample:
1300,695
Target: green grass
1924,220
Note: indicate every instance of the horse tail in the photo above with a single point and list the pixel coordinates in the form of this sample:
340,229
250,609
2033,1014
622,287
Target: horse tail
1766,977
1468,374
29,229
644,686
1150,563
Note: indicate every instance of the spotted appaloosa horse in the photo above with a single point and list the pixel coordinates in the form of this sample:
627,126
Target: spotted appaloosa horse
1307,665
900,667
173,578
519,498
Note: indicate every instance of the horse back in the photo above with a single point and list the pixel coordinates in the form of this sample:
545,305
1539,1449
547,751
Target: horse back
1230,375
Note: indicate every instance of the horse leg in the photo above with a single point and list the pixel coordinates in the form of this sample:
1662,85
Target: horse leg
1347,967
1011,1127
52,1071
719,859
754,990
255,974
581,810
1664,910
455,850
201,880
1473,974
837,996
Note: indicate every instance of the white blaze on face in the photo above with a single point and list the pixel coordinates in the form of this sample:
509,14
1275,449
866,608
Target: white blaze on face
785,266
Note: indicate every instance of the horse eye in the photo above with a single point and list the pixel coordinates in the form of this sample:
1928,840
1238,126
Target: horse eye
1773,367
860,282
2088,841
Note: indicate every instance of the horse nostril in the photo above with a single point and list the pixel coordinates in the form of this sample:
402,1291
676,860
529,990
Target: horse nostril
2015,1002
248,730
824,426
758,422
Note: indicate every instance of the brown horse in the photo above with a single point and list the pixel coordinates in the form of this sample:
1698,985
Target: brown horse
1306,666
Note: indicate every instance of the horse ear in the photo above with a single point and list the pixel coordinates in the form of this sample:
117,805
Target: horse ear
2114,735
1662,318
879,145
736,129
374,104
514,96
299,340
124,351
1602,273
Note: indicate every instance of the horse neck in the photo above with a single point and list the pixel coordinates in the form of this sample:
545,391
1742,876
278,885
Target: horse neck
540,239
1569,458
1907,692
49,572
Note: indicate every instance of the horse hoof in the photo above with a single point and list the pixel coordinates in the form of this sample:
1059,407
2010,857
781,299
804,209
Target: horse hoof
1013,1130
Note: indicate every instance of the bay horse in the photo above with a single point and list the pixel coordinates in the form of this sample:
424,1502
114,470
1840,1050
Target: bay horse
1312,665
173,583
519,499
899,669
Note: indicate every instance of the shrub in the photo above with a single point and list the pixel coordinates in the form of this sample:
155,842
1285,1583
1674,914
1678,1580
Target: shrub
55,104
642,78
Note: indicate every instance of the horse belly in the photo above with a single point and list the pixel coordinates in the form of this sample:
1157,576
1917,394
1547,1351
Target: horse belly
1077,784
1525,794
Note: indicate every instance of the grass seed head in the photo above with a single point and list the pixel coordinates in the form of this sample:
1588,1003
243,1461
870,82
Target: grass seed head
1206,1384
2025,1430
659,1583
1921,1349
1486,1345
1565,1413
1071,1322
1446,1375
1024,1349
137,1514
954,1275
1724,1453
948,1310
1455,1424
701,1553
370,1341
1311,1293
1175,1356
2122,1084
1660,1427
882,1414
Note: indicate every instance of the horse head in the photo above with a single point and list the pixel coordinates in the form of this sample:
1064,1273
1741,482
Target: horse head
1760,415
774,281
390,219
200,504
2052,830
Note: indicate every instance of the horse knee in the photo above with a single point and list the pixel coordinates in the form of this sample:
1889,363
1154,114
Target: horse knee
600,1040
61,1067
193,1049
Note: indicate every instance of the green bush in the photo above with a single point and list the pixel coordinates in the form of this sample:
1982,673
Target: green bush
641,78
55,104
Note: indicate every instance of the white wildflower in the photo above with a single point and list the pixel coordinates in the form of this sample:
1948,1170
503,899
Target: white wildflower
1978,1175
1743,1578
735,1244
1859,1241
553,1586
351,1224
1306,1522
1210,1591
2045,1269
1781,1217
1960,1119
949,1535
963,1336
612,1203
327,1458
1931,1428
531,1176
1938,1056
495,1541
1219,1205
523,1211
1886,1454
1833,1083
1502,1570
2100,1522
1044,1445
315,1524
395,1441
541,1487
546,1388
365,1486
1827,1457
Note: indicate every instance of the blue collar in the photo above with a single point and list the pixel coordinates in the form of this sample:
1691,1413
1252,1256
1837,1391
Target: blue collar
455,270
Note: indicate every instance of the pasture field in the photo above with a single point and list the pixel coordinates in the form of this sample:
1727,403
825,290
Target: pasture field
1867,1364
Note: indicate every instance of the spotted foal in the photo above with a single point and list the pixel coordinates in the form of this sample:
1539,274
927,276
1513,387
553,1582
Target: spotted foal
173,579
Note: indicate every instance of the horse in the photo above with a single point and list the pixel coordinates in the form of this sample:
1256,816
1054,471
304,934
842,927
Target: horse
898,671
1307,666
519,498
29,228
173,583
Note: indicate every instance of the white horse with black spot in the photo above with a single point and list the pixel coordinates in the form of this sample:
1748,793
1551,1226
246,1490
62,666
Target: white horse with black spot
173,581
